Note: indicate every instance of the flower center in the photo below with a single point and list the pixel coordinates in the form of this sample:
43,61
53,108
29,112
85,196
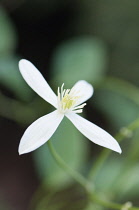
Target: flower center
68,100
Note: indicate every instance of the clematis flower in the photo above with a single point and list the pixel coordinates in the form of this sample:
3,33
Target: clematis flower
68,102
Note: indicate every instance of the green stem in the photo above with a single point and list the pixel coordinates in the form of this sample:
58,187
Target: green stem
105,153
108,204
74,174
122,87
84,182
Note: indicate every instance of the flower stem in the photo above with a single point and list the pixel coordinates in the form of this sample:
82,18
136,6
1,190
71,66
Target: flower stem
108,204
105,153
84,182
74,174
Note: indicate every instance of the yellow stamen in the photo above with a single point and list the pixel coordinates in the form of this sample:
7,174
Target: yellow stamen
67,100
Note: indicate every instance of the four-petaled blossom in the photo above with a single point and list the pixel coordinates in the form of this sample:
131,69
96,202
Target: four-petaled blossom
68,103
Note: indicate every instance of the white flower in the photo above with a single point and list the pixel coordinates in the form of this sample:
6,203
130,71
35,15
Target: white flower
68,103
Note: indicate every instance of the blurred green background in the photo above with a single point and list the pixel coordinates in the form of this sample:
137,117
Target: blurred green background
97,41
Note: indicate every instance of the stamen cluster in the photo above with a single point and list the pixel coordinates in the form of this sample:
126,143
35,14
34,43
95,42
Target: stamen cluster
68,100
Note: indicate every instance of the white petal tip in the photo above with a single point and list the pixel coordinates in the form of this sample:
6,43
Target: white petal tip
116,148
24,62
23,150
94,133
119,150
20,152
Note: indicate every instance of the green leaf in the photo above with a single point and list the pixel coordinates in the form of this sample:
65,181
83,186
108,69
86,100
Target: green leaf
108,175
8,37
82,58
92,206
133,153
129,185
70,145
119,110
118,178
11,78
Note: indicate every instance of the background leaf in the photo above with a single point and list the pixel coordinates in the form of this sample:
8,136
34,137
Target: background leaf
119,110
8,39
129,185
79,58
108,175
92,206
11,78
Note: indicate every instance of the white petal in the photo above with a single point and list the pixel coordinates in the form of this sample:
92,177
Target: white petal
93,132
40,132
37,82
84,89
